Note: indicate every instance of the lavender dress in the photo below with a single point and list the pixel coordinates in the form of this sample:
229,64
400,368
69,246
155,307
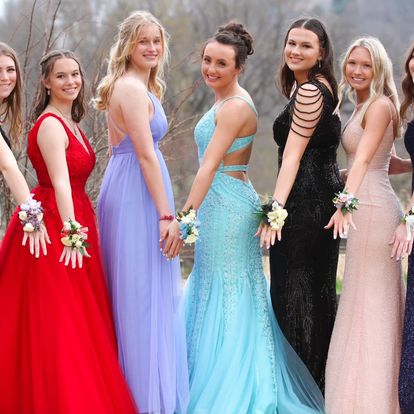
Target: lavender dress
144,286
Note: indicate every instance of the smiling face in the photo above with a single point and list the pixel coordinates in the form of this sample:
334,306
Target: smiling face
64,81
8,76
302,52
359,72
148,50
219,65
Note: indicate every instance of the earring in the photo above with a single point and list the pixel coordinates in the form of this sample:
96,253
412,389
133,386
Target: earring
319,64
48,92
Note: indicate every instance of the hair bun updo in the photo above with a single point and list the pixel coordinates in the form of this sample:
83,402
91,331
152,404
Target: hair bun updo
236,35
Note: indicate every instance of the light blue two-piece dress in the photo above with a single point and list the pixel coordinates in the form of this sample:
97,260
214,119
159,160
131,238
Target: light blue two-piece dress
239,361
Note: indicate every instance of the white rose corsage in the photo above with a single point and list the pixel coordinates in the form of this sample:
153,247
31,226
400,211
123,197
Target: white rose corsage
31,215
189,225
74,235
273,214
408,220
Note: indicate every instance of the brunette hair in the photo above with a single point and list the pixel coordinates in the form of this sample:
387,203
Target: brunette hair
322,68
407,85
120,56
235,35
12,107
42,97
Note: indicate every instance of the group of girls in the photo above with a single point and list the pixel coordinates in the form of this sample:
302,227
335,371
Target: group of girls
83,333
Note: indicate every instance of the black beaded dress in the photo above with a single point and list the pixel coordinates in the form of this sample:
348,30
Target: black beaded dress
406,382
303,264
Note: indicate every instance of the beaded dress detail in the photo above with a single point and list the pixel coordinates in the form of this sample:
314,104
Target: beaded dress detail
239,361
303,264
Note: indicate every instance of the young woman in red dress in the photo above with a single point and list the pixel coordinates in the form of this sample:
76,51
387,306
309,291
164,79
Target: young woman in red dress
58,350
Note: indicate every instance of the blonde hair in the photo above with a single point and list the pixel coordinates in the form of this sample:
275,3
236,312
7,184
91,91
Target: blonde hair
120,56
382,82
11,109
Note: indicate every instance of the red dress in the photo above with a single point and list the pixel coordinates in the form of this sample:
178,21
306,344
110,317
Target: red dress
57,343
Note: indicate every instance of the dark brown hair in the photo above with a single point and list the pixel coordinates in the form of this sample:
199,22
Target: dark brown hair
12,107
235,35
407,85
323,68
42,98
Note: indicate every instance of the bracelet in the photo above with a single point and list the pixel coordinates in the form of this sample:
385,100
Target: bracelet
273,214
345,201
189,225
31,215
74,235
168,218
408,220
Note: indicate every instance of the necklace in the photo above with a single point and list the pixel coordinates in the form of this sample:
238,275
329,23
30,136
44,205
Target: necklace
69,120
73,127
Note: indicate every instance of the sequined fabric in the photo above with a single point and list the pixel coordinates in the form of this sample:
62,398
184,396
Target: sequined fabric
406,383
303,265
364,354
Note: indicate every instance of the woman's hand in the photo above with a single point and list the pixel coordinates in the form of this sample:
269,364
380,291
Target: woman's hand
343,174
170,241
37,240
340,223
74,256
400,245
268,235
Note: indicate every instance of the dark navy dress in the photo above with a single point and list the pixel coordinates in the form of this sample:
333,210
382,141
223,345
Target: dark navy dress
406,384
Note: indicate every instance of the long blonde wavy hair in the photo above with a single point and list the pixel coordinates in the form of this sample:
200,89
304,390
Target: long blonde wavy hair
119,58
382,82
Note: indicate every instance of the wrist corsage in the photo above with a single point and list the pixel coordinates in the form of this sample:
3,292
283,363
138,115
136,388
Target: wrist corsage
345,201
189,225
408,220
74,235
273,214
31,215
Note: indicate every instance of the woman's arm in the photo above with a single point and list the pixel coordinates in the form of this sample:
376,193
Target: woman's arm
53,141
131,99
377,119
308,107
21,193
134,104
399,165
10,170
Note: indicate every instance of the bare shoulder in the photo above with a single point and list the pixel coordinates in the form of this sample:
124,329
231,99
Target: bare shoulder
236,107
381,109
130,86
51,126
325,82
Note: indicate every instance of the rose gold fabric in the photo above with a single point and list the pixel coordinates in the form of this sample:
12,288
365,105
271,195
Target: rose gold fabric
364,353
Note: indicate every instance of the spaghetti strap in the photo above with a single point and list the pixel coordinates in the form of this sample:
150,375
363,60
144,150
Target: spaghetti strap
250,103
111,119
